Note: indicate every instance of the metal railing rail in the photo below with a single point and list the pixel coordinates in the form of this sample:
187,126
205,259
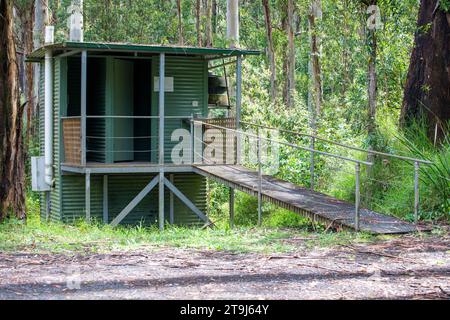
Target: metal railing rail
135,117
126,117
389,155
314,138
357,163
239,132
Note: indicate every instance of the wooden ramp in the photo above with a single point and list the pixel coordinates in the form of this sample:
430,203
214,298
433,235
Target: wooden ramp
314,205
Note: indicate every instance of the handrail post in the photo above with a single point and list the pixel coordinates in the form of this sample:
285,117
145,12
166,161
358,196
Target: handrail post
238,106
259,181
357,195
416,191
312,164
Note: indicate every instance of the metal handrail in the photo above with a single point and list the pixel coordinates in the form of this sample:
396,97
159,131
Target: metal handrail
416,162
288,144
313,151
340,144
70,117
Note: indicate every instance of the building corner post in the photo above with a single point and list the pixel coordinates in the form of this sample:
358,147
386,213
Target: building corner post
162,62
83,105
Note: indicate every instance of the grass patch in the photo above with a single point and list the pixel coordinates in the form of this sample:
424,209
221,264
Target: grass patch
79,238
280,228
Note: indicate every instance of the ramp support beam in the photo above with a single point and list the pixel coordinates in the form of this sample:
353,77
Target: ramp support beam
105,200
88,196
232,194
171,203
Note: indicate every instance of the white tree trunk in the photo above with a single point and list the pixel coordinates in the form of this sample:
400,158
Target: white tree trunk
233,22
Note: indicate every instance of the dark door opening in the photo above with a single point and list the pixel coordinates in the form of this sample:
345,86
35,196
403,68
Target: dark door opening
142,108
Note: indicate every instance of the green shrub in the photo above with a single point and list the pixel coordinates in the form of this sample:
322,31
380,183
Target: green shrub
435,177
282,218
246,213
390,188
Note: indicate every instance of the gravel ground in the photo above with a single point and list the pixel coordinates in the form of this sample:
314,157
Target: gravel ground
403,268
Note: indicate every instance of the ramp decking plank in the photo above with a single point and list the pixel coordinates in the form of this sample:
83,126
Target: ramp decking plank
304,201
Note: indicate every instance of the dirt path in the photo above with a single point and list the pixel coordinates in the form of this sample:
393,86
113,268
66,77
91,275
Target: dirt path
403,268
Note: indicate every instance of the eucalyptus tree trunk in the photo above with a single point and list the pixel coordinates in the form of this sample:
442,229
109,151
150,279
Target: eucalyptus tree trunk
214,17
233,23
180,23
316,77
41,19
209,35
372,86
427,92
270,51
372,89
290,57
26,15
12,168
345,49
198,25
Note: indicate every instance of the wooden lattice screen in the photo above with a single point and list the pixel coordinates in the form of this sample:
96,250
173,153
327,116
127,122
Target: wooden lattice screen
226,139
72,140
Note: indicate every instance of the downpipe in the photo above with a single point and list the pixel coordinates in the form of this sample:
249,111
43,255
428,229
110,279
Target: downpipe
48,118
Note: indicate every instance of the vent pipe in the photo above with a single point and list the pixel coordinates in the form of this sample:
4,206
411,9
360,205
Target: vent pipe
48,107
76,33
233,22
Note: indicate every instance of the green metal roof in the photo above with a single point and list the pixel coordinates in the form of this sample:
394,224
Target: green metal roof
139,48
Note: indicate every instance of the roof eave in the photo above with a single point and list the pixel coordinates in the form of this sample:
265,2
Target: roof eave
38,55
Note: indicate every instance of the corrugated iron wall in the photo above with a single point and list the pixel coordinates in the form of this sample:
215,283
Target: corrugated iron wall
190,96
55,195
73,197
194,187
42,195
122,189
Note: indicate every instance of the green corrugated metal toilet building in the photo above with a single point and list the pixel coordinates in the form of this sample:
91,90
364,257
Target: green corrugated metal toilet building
105,131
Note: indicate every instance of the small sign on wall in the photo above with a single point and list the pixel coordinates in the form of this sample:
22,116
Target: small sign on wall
168,84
